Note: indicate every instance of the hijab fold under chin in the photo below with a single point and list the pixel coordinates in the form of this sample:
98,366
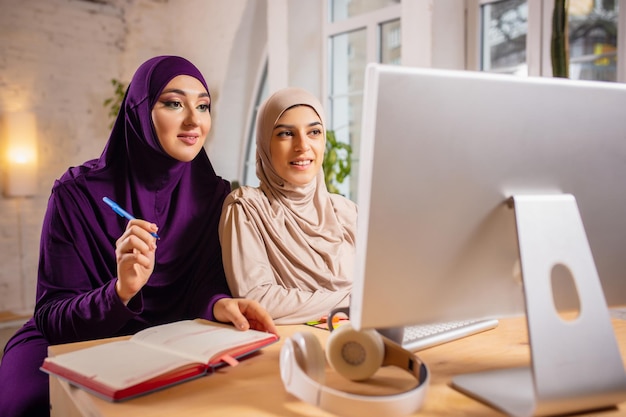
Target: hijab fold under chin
307,233
183,199
309,205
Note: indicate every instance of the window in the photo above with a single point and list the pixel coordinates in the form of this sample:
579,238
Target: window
345,9
504,27
390,49
592,27
515,38
358,32
249,169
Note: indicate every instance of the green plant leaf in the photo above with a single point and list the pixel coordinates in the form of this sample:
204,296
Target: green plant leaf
114,103
337,162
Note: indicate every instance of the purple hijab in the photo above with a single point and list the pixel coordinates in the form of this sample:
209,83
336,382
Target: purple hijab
76,298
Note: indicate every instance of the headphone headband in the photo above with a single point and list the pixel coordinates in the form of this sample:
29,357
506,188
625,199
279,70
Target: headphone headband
302,368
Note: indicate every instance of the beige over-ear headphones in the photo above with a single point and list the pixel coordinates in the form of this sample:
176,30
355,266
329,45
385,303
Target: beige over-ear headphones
356,355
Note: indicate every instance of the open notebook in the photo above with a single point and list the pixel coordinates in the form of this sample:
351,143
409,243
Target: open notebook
156,358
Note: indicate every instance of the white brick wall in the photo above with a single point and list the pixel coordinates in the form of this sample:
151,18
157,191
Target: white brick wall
56,59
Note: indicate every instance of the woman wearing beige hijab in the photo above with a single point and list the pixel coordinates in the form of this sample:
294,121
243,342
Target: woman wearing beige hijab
289,244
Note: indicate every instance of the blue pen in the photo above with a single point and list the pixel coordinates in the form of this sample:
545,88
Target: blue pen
116,208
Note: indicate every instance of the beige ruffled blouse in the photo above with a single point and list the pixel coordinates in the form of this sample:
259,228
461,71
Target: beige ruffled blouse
290,248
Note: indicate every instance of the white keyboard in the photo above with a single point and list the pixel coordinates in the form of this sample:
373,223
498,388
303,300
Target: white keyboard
423,336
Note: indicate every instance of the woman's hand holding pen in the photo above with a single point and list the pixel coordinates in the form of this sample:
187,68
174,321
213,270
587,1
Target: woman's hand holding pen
134,253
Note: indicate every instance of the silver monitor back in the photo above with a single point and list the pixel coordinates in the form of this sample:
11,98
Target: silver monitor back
441,152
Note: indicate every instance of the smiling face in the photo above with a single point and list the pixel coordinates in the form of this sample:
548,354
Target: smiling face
297,145
181,117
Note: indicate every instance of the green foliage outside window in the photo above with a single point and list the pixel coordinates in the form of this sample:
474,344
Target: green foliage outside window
337,162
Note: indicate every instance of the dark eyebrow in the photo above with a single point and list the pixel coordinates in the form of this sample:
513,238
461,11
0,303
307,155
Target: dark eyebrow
292,126
182,93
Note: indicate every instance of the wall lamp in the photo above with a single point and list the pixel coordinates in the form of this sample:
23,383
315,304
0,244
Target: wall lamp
20,135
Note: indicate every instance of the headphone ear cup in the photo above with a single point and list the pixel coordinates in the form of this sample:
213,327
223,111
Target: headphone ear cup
356,355
310,356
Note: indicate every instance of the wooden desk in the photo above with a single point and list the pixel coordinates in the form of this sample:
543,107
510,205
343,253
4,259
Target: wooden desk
254,387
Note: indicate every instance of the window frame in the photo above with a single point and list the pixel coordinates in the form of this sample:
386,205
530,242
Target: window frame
538,57
248,171
371,22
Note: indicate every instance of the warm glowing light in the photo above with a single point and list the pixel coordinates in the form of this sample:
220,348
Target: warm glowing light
20,132
22,155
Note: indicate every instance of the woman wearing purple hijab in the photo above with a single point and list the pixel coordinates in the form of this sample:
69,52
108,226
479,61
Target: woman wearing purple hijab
101,275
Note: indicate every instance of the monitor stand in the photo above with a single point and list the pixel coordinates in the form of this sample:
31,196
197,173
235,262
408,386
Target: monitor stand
575,364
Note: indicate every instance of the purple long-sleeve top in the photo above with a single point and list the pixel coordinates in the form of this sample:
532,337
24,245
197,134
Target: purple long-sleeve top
76,298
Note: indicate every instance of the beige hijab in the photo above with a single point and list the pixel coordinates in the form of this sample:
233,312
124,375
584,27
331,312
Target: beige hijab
289,247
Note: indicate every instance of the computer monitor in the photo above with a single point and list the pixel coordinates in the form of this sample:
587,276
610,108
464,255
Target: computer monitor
442,152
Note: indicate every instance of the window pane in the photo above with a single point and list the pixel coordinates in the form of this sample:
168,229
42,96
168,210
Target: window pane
348,61
390,43
505,25
343,9
593,39
348,55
